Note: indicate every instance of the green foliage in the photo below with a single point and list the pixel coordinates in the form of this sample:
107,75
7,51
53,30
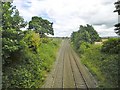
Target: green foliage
11,33
41,26
25,73
103,66
111,46
31,40
11,18
9,46
45,40
31,68
48,53
27,58
83,47
85,34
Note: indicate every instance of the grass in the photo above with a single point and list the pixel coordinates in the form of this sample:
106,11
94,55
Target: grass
31,69
103,66
48,53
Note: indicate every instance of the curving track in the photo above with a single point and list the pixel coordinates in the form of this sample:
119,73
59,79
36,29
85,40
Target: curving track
68,72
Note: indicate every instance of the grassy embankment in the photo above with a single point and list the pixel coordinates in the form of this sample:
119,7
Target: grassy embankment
31,68
103,66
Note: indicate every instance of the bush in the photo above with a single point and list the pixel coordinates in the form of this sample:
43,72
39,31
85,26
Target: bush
103,66
31,68
111,46
31,40
83,47
45,40
85,36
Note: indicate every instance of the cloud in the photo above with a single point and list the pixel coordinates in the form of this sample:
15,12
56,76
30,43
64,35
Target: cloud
67,15
105,31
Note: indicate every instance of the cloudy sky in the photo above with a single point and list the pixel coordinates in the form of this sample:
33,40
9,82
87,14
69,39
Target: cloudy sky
67,15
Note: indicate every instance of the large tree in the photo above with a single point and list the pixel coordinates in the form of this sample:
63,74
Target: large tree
41,26
117,5
85,34
11,33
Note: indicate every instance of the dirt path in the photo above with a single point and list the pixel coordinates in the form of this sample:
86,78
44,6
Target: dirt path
68,72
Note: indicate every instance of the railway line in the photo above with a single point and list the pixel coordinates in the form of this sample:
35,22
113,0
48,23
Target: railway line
68,71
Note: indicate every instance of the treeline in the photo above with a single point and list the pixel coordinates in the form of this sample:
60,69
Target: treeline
84,36
101,59
27,55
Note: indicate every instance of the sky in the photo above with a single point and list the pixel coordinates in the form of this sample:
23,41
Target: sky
68,15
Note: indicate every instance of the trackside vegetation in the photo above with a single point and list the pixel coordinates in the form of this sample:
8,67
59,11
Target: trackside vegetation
30,66
83,37
104,66
27,56
102,60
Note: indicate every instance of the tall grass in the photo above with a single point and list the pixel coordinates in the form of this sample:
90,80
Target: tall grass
103,66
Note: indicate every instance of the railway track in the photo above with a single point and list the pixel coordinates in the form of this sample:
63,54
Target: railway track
68,72
79,80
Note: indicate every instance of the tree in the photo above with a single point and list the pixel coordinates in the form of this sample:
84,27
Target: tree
84,36
93,33
11,33
41,26
117,5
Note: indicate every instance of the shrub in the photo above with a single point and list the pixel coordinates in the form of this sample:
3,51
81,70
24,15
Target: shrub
111,46
103,66
83,47
45,40
31,40
31,68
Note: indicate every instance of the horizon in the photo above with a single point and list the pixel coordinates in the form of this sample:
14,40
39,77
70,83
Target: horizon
68,15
